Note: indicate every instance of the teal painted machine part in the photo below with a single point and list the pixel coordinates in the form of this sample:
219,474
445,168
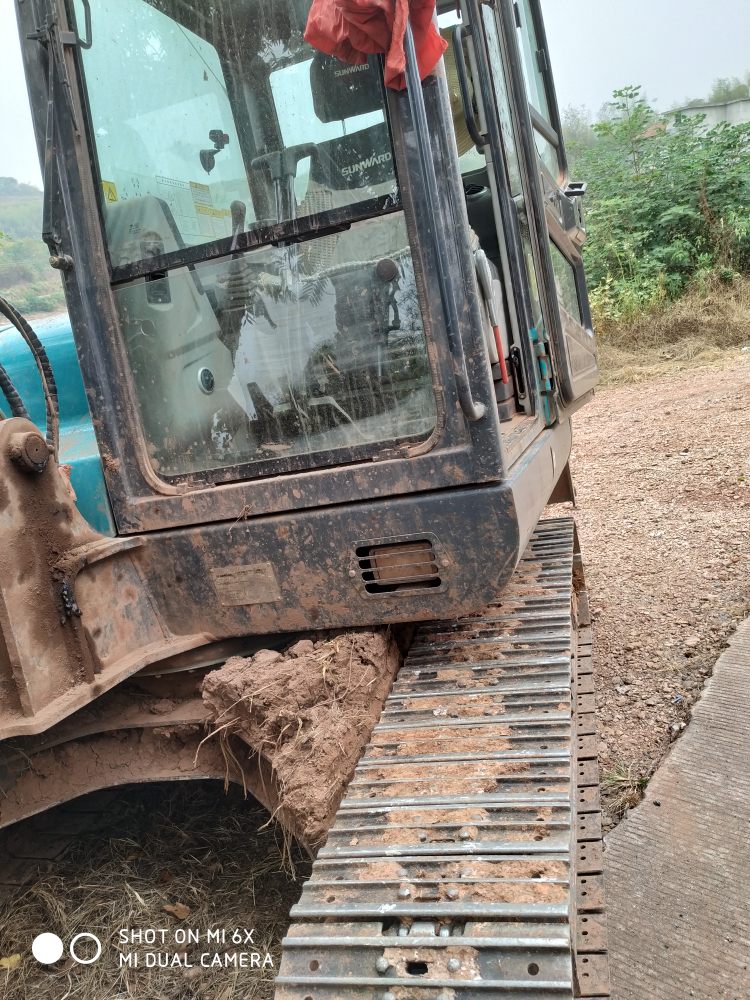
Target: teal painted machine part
78,446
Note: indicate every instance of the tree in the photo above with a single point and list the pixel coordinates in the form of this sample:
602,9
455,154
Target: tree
668,198
724,90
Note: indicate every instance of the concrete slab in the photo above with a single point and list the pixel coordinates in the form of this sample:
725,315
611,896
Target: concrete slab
678,873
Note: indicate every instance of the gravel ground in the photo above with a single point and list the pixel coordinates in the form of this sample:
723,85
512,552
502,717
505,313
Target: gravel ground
662,476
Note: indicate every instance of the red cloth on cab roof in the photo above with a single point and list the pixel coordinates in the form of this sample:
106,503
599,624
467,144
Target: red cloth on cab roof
353,29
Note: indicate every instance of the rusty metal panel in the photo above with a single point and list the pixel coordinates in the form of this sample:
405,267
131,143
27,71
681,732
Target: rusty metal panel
592,974
589,826
590,892
591,933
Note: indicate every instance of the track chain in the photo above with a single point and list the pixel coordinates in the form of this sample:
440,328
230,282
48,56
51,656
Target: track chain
466,856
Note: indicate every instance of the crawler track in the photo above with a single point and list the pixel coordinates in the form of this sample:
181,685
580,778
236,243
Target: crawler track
466,856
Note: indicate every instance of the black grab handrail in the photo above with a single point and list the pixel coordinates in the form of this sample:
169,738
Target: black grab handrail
472,409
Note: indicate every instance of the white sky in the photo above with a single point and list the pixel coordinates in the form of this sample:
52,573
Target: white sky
18,156
674,48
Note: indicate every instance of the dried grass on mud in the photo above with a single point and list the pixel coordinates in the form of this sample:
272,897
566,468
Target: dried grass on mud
160,844
706,328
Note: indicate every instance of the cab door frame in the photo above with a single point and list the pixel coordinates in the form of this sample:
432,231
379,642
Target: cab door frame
553,214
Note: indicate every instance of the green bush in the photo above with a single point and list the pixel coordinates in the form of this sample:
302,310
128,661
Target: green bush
26,279
668,205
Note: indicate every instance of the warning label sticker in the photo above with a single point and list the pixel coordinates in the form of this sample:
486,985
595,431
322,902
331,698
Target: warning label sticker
110,192
201,194
177,196
255,583
215,223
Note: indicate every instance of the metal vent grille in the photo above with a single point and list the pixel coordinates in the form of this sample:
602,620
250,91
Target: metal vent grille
409,565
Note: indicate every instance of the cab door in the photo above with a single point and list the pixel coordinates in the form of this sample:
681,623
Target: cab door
533,191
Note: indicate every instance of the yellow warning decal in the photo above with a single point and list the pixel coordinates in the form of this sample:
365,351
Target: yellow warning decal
201,194
110,191
214,222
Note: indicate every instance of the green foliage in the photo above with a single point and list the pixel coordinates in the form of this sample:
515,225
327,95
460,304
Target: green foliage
668,203
578,133
20,209
724,90
26,278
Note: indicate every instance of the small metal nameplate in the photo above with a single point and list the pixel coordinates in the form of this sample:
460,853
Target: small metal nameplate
253,584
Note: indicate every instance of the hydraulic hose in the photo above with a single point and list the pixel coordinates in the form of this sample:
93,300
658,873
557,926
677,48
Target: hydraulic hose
17,409
45,373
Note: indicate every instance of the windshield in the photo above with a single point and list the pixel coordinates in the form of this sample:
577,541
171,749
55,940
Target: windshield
211,118
221,113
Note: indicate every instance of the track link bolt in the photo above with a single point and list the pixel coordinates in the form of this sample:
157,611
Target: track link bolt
388,996
29,450
404,892
452,893
402,873
465,834
454,964
382,964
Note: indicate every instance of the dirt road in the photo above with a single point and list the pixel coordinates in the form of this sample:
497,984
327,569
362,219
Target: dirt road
662,473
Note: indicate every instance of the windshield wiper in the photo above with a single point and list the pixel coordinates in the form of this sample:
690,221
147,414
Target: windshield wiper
53,39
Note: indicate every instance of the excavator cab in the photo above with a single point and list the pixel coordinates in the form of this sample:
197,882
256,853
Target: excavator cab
331,334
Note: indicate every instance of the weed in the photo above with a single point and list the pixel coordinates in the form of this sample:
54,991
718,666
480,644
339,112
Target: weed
623,788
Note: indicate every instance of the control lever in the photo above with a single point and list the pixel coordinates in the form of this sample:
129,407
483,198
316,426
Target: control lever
485,280
238,210
282,167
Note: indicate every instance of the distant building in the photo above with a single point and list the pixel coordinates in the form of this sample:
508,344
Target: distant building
653,130
734,112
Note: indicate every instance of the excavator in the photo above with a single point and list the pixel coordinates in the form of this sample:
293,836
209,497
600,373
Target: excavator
324,340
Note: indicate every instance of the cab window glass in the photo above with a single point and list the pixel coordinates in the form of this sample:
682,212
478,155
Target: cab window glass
501,100
534,81
528,47
565,284
282,357
229,119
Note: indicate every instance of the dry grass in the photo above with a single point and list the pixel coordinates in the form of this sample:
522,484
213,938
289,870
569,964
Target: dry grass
185,843
623,788
707,327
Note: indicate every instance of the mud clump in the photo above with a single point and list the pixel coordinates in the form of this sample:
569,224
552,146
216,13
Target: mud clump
309,713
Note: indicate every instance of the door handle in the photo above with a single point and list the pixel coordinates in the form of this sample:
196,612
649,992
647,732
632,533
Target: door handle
463,85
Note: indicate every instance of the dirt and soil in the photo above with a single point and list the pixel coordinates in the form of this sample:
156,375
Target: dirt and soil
662,475
309,713
661,468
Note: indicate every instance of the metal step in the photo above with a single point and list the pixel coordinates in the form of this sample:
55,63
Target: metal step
466,856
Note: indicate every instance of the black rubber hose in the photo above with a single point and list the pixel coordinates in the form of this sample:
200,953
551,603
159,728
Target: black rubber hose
45,373
17,409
